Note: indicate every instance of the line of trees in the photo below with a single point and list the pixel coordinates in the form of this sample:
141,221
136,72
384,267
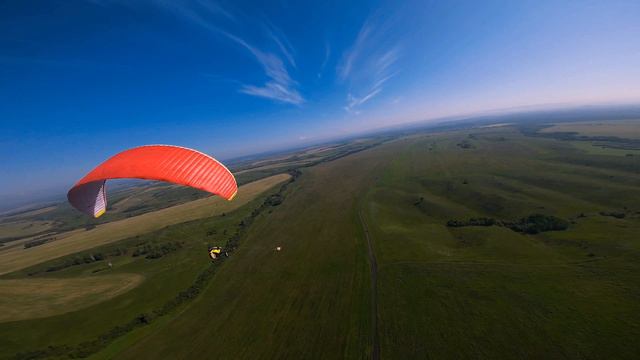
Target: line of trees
156,251
80,259
37,242
482,221
532,224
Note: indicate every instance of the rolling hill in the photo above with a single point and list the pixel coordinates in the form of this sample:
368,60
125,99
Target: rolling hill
484,242
442,292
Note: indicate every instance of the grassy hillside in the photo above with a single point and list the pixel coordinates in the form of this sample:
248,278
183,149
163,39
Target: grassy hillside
309,300
129,198
68,243
490,292
484,243
462,292
78,293
125,200
39,298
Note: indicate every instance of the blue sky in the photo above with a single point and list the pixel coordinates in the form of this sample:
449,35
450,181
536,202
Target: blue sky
82,80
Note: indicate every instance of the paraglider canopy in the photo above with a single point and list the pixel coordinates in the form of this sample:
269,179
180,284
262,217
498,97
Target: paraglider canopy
168,163
214,252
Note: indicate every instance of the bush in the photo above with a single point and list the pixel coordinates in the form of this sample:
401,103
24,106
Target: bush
274,200
532,224
538,223
465,144
482,221
156,251
615,214
34,243
118,252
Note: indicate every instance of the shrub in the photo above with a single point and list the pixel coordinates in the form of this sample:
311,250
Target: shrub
538,223
482,221
274,200
34,243
532,224
615,214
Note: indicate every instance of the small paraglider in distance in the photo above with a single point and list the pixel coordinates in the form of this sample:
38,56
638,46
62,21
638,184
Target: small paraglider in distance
168,163
216,252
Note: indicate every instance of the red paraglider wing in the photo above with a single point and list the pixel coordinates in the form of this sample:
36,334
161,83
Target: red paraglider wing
153,162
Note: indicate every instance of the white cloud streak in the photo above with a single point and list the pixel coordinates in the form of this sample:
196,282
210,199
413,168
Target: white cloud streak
353,101
367,65
327,55
279,86
282,42
352,55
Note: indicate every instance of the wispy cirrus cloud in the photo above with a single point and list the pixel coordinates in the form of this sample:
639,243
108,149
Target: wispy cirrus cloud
353,101
282,42
327,55
279,85
354,52
368,64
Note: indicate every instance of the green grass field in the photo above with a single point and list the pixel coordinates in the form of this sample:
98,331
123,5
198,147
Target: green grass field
481,292
474,292
629,129
130,199
84,316
17,258
596,149
39,298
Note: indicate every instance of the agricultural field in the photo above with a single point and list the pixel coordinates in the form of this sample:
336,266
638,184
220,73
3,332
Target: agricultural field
126,199
87,294
23,228
39,297
475,291
599,149
17,258
490,242
129,198
204,179
612,138
620,128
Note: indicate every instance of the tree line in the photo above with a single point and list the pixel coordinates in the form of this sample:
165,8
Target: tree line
532,224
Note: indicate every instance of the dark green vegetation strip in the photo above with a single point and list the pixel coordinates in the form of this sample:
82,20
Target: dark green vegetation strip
38,242
147,248
88,348
531,224
613,142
